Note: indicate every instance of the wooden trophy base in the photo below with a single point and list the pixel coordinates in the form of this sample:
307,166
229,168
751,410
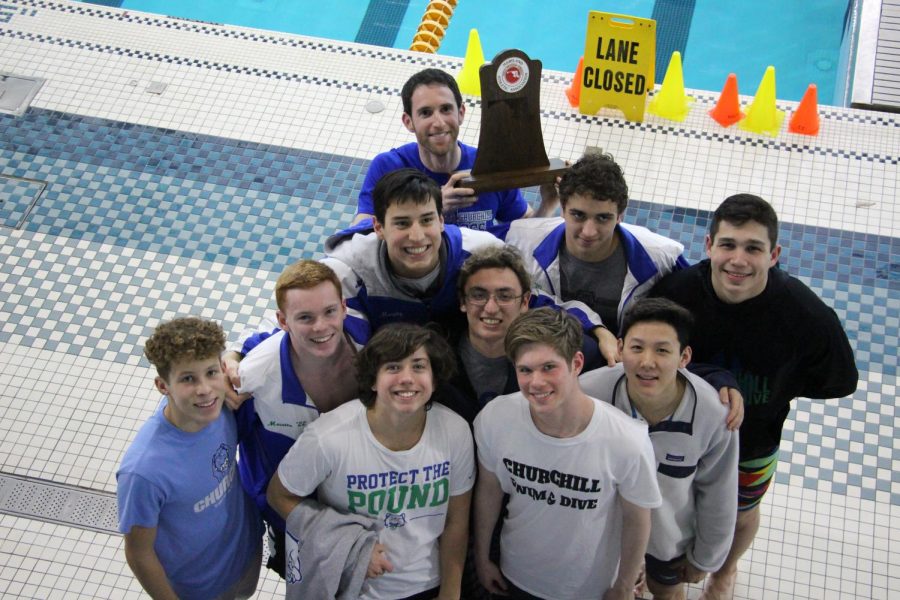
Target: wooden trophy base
505,180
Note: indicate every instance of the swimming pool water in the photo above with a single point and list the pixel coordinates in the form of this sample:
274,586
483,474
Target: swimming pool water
800,38
334,19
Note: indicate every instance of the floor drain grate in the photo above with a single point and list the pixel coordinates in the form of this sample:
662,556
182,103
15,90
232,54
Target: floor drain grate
17,92
57,503
17,199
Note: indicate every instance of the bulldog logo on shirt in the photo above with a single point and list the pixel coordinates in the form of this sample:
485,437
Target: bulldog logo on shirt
221,462
394,521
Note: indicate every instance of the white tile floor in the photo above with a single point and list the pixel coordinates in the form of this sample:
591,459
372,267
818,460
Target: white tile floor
67,413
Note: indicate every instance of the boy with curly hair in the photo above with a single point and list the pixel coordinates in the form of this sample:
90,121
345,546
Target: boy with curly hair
587,254
591,256
190,530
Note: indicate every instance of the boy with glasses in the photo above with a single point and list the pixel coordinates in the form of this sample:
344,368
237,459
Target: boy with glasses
494,288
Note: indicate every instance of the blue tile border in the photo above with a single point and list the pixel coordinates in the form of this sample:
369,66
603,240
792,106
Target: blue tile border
855,441
105,144
160,166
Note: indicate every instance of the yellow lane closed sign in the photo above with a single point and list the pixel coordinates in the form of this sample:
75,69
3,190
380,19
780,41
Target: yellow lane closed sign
619,58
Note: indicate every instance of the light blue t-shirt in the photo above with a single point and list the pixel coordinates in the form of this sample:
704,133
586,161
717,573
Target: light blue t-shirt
187,486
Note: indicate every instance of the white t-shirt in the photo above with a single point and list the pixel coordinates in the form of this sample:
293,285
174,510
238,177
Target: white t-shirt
562,536
407,492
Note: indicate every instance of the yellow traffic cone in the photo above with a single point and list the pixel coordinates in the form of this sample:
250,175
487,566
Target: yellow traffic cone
762,116
468,79
671,102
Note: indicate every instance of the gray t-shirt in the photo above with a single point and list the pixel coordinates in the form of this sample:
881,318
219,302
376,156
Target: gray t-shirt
487,375
597,284
421,287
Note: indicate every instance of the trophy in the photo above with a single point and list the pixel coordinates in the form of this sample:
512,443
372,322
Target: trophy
511,150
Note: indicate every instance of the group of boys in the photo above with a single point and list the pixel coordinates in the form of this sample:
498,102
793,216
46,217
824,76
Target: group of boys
595,495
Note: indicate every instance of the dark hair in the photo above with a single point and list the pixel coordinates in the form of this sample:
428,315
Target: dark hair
395,342
741,208
184,339
555,328
596,175
659,310
428,77
493,257
404,185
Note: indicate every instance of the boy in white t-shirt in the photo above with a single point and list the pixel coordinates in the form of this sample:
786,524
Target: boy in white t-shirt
580,475
400,462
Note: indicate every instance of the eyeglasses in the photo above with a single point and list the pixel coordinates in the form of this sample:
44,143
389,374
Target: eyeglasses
480,297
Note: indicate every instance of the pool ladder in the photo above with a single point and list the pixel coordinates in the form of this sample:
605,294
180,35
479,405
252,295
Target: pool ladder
433,26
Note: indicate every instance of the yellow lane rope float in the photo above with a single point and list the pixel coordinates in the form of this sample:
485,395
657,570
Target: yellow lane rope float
433,26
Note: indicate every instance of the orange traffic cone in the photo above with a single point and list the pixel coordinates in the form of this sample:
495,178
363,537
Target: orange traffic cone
728,109
805,119
573,92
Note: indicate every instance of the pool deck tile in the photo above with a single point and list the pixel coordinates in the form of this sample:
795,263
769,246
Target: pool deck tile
181,165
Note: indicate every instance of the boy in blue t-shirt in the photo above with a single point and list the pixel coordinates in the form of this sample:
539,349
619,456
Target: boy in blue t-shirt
190,530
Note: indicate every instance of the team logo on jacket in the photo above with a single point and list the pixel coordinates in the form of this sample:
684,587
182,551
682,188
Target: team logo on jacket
221,461
394,521
293,575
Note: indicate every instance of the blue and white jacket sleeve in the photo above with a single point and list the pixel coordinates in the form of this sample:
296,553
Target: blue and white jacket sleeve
251,338
589,319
